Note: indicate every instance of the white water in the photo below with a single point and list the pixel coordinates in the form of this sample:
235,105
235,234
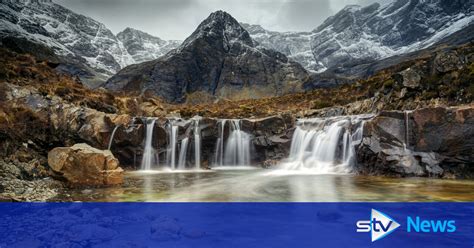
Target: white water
407,130
182,153
173,149
173,136
237,147
320,145
325,145
149,155
112,137
219,159
197,144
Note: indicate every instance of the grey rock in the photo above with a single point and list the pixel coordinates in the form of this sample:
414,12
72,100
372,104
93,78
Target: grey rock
439,143
409,78
448,61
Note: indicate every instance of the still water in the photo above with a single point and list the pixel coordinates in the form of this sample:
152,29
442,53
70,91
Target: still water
258,185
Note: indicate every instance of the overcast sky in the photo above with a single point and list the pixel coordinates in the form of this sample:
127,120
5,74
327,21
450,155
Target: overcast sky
177,19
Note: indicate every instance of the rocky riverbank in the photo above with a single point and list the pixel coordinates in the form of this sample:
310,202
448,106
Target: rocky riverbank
41,109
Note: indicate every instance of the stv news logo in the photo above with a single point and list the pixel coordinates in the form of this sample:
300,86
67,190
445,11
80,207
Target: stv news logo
379,225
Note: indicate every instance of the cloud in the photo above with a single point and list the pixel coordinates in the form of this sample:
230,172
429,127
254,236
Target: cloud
303,15
177,19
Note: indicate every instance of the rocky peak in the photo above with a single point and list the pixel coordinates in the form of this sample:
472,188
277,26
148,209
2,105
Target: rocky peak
219,60
221,27
131,33
253,28
143,46
349,17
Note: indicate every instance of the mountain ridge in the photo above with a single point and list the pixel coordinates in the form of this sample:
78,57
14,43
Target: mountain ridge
369,33
94,51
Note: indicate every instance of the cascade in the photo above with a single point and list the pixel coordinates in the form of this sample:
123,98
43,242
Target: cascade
197,143
219,159
182,150
171,151
112,137
182,153
325,145
149,153
237,147
407,130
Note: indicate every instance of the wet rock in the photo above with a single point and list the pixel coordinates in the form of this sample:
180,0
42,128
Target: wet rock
262,141
270,126
129,135
270,163
83,165
402,161
208,127
270,137
426,142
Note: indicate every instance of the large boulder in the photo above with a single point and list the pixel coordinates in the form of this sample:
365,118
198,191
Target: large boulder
83,165
426,142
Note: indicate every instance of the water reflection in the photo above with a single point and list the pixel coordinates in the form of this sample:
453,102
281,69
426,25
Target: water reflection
268,186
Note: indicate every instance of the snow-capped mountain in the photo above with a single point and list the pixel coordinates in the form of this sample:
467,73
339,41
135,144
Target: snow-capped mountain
295,45
78,37
356,34
143,46
67,33
220,60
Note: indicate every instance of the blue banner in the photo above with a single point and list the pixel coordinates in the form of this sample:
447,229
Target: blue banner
237,225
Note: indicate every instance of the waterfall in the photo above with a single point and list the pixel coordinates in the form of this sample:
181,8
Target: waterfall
182,153
149,159
407,129
173,136
182,149
237,148
219,159
325,145
112,137
197,143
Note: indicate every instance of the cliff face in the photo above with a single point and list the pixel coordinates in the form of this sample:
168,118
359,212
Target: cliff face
436,142
218,60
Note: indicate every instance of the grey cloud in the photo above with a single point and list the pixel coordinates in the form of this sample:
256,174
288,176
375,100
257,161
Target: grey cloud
303,15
